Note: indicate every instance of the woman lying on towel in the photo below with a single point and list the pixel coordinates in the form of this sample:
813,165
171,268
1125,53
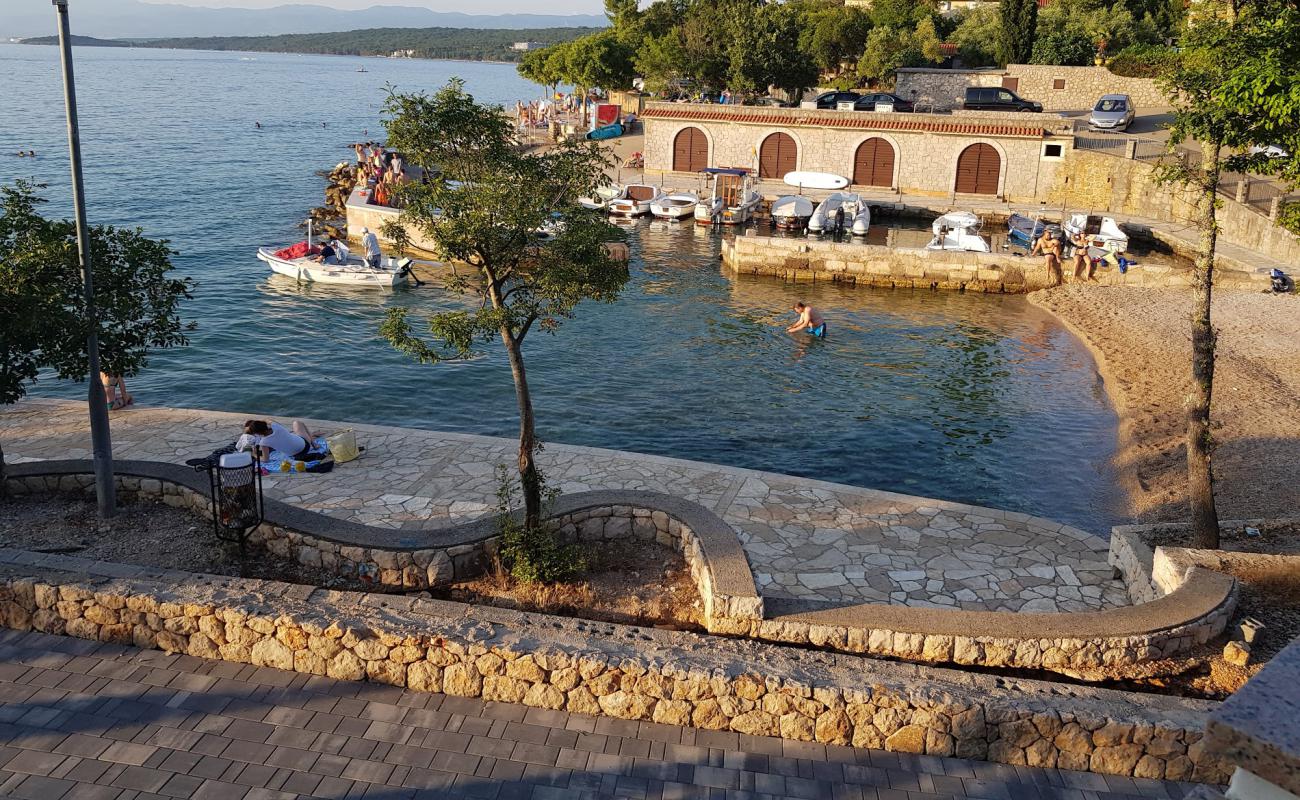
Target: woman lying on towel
267,436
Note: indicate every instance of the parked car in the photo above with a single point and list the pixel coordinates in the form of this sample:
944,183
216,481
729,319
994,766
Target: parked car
993,98
770,102
832,99
868,102
1113,112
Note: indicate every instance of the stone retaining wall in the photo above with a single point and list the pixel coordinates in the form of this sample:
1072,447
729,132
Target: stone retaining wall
912,268
1057,88
610,670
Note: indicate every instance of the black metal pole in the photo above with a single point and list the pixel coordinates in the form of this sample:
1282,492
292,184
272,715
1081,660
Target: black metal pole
100,439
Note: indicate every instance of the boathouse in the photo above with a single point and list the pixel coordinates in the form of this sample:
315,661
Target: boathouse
1011,157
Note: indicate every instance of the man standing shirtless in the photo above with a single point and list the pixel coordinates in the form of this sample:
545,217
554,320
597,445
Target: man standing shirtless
810,319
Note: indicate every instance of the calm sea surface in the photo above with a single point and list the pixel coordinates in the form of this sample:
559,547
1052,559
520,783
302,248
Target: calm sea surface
978,399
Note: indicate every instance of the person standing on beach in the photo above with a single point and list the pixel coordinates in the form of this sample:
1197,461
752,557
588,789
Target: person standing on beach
371,244
1050,247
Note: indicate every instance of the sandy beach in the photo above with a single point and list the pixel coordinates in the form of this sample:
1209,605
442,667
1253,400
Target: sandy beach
1141,339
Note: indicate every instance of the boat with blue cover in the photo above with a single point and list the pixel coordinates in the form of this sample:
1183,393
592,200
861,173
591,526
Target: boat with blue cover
1025,230
606,132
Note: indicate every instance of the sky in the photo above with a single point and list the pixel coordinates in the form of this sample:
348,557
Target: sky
476,7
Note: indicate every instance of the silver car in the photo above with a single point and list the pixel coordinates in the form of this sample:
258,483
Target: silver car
1113,112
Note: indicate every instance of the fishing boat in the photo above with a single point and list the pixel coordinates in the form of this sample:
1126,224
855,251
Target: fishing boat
856,217
1026,230
297,261
679,205
731,200
636,201
958,230
603,196
1103,232
792,212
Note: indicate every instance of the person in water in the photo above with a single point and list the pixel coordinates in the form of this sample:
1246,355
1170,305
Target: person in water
810,319
266,436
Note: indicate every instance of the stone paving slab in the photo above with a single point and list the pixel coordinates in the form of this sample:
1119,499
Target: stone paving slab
805,539
81,720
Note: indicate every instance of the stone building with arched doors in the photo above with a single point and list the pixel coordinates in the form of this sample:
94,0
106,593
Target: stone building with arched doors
1013,157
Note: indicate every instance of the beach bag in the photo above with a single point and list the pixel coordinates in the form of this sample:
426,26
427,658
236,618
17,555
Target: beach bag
343,446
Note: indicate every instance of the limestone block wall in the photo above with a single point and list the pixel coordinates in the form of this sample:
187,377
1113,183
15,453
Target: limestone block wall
942,88
616,671
361,214
1057,88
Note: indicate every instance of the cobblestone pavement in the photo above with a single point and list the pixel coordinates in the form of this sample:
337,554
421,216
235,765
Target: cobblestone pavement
805,539
80,720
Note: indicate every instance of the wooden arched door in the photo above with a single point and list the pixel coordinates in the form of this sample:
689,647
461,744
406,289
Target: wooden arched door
690,150
978,168
777,156
873,163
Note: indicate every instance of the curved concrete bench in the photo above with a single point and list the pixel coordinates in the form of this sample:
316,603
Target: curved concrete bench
429,558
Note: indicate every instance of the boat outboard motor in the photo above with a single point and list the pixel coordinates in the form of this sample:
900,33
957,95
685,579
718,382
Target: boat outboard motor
1281,282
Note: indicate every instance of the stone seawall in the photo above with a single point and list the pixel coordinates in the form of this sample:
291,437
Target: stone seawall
914,268
609,670
1057,88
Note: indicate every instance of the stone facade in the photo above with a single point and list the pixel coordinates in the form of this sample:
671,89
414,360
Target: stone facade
615,671
1057,88
926,148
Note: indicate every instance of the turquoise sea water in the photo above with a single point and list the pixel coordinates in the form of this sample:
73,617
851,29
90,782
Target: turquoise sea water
971,398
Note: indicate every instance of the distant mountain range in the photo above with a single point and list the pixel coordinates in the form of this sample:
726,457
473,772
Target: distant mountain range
132,19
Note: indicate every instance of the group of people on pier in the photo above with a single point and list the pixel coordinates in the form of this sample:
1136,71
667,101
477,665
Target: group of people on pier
381,171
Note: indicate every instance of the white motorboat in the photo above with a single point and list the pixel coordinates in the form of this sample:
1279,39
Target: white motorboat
792,212
675,206
352,272
856,214
1103,233
732,199
636,201
958,230
602,198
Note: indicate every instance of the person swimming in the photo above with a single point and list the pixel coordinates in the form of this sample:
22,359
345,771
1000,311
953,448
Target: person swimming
810,319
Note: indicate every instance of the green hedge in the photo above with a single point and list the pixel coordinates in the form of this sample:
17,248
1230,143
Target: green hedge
1141,60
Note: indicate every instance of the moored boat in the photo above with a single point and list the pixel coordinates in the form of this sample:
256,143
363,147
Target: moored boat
601,199
636,200
792,212
841,211
1026,230
1103,233
958,230
352,272
731,200
678,205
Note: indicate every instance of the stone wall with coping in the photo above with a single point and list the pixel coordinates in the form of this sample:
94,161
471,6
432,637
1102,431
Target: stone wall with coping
942,89
1057,88
1195,608
610,670
913,268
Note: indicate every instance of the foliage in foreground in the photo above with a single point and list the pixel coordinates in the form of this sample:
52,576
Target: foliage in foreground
532,553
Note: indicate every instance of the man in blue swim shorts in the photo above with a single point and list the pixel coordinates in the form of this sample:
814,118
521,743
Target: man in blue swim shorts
810,319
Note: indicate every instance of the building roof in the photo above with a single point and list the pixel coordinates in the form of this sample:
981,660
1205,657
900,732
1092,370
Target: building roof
851,120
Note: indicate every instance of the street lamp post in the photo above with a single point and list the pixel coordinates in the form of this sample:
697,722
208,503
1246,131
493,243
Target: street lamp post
100,440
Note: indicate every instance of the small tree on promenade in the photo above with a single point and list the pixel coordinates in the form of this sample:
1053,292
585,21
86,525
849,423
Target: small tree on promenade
42,308
485,212
1234,83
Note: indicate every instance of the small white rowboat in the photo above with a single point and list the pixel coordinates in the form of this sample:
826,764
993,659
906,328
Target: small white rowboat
354,272
675,206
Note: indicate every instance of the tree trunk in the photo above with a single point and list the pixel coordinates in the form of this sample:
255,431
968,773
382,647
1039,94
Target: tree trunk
1200,445
529,478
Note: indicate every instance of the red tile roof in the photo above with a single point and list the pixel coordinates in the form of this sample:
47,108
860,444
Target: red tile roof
851,121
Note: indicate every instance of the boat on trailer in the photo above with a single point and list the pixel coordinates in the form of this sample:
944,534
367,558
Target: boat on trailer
958,230
678,205
732,199
297,261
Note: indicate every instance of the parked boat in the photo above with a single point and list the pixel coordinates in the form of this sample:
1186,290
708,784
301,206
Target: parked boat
792,212
958,230
603,196
732,199
1103,232
675,206
856,216
606,132
353,272
815,180
1027,230
636,201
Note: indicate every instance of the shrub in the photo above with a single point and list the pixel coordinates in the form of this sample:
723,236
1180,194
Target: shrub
1141,60
532,555
1064,48
1288,217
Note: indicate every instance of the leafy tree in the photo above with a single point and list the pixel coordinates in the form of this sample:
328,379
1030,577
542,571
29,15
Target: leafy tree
977,35
834,36
599,60
1064,48
43,309
1104,25
1234,83
542,67
765,52
888,49
661,60
1019,25
900,14
484,212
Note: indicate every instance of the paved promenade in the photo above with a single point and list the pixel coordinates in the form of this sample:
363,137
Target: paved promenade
80,720
804,539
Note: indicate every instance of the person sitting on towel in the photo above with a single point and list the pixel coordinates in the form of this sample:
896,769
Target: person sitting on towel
267,436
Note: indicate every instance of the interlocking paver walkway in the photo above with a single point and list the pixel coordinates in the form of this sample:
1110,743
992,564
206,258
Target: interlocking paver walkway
805,539
82,720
